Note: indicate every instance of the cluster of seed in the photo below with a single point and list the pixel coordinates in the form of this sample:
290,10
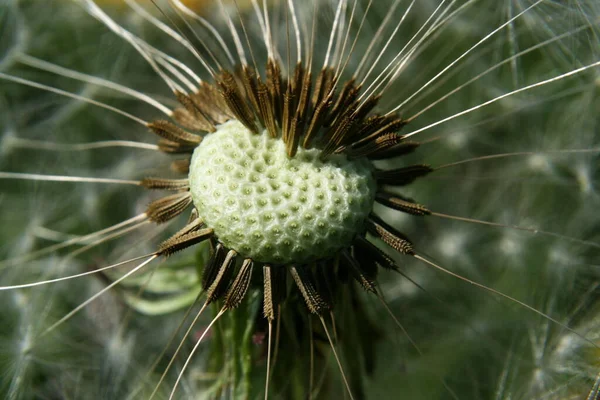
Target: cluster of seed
273,208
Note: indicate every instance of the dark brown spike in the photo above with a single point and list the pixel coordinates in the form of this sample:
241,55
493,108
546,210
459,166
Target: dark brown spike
235,101
286,118
316,121
184,118
179,242
181,166
193,225
343,127
213,265
345,99
169,207
401,204
209,100
266,106
250,83
373,147
296,82
323,86
269,304
171,132
379,127
357,272
239,286
304,98
293,137
366,107
364,247
165,184
167,146
369,126
274,84
198,119
402,176
222,278
314,301
397,150
389,235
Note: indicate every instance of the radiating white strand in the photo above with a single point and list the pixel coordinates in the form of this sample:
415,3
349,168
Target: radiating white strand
173,61
71,95
261,23
187,361
333,32
428,37
94,297
466,53
65,278
356,37
69,73
377,36
296,31
498,65
182,7
171,68
77,240
395,66
52,146
194,33
62,178
166,29
399,53
234,34
487,103
346,35
340,33
101,16
269,41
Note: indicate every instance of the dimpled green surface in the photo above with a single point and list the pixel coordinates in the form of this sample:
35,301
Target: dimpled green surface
276,209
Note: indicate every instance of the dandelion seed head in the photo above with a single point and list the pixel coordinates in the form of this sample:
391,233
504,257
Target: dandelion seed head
273,208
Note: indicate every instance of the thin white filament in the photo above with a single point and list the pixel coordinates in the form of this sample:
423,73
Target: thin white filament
187,361
181,343
333,32
498,65
296,31
466,53
523,89
377,36
163,27
390,69
489,289
71,95
234,34
65,278
77,240
97,295
58,70
101,16
182,7
52,146
63,178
